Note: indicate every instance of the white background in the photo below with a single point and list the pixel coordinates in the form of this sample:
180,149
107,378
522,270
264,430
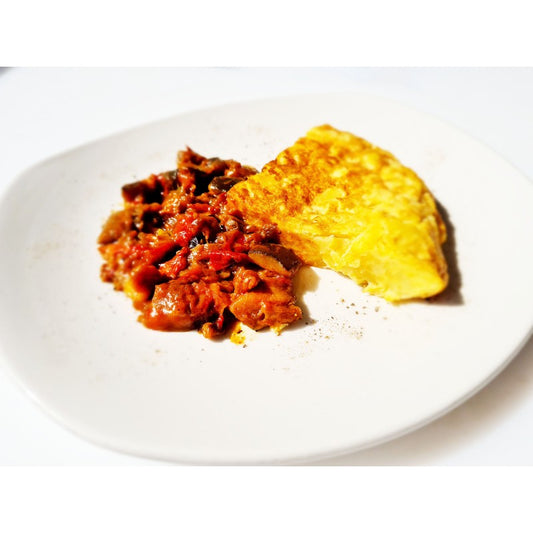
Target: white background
45,111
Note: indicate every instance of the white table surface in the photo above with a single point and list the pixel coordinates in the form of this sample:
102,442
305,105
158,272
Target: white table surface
45,111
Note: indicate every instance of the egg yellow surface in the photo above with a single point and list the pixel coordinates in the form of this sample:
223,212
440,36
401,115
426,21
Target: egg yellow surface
342,203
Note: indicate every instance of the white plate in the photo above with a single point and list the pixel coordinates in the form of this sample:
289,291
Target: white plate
361,372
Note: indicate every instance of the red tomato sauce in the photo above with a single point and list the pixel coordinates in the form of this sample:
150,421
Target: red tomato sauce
187,263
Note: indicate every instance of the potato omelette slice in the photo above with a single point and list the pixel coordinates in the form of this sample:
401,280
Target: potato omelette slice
345,204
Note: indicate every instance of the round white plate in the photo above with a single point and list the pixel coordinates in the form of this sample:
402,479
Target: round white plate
358,372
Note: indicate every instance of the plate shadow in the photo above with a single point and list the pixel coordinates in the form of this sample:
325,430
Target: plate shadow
452,295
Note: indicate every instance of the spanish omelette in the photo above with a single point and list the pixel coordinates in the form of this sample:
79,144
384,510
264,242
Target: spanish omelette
342,203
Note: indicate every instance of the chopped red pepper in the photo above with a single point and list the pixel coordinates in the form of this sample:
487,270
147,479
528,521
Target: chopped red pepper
221,259
175,265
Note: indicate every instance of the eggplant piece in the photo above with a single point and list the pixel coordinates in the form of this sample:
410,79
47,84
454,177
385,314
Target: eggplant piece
178,306
275,257
214,166
150,190
259,310
224,183
202,169
146,218
141,192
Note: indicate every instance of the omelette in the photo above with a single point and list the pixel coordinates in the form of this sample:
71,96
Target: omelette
342,203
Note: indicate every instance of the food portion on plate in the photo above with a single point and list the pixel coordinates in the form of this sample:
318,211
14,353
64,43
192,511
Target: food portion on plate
188,264
214,242
342,203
